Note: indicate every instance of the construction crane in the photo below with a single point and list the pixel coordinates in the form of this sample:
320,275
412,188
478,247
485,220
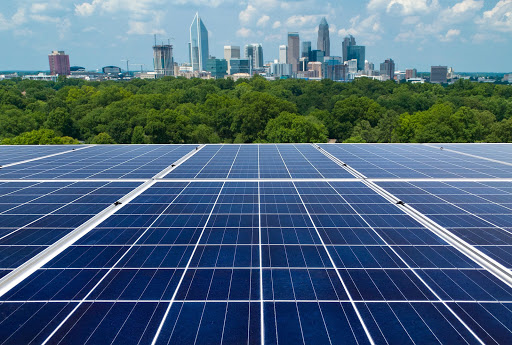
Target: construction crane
142,65
127,65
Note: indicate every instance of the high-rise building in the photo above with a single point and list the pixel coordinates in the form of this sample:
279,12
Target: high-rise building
231,52
59,63
239,66
254,52
438,74
369,67
352,66
283,54
387,69
330,67
306,49
280,70
315,69
411,73
358,53
199,53
324,43
347,42
163,60
317,56
217,67
293,50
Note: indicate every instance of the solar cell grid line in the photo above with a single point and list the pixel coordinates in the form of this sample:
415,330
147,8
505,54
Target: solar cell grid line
156,338
192,167
426,163
109,271
418,276
103,162
333,264
176,148
45,165
200,258
498,153
272,165
246,165
34,153
475,225
473,166
260,252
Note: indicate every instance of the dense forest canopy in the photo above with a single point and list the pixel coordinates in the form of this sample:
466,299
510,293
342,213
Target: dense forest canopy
178,110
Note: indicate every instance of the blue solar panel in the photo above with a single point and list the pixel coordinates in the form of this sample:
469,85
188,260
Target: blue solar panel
258,244
101,162
15,154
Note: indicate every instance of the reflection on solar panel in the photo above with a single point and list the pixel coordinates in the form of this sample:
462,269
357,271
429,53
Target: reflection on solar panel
258,244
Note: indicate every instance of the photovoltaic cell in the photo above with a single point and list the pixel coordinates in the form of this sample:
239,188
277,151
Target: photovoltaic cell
257,243
15,154
414,161
101,162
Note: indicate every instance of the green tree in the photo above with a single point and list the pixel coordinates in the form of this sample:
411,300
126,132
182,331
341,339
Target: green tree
293,128
102,138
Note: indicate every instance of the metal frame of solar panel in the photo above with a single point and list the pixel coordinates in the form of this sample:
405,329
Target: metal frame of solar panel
256,243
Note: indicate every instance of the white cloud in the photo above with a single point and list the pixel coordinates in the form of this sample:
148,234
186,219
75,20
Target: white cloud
404,7
263,21
368,29
303,20
144,28
246,16
86,9
244,32
18,18
276,25
460,12
499,18
450,35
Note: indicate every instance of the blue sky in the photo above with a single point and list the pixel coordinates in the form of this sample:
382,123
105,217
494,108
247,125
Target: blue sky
469,35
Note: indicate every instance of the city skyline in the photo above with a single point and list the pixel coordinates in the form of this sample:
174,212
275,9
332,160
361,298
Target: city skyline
102,32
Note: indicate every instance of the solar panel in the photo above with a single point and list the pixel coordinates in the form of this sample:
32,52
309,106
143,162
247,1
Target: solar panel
257,244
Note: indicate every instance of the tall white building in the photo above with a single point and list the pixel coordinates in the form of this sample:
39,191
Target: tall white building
283,54
254,52
231,52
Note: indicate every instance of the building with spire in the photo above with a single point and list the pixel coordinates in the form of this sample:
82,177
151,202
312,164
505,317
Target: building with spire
199,52
324,43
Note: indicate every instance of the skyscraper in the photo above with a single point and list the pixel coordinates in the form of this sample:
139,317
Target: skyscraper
358,53
198,44
293,50
324,43
254,52
231,52
306,49
347,42
59,63
163,60
387,69
439,74
283,54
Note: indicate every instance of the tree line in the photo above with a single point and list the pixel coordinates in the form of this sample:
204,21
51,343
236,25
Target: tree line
178,110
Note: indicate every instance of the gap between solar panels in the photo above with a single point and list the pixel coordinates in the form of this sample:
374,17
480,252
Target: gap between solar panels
467,249
47,156
467,154
19,274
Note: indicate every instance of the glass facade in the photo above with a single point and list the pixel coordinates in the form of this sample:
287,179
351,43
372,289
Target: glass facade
199,53
358,53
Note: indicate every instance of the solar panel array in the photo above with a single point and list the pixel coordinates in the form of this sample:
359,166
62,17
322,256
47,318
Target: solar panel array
256,244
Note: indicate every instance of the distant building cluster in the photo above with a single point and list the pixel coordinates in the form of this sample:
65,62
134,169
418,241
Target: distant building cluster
296,59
